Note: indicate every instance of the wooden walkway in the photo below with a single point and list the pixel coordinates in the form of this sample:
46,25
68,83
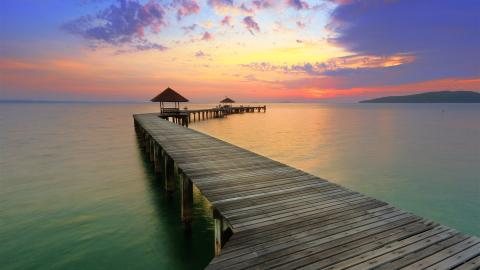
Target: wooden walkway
284,218
184,117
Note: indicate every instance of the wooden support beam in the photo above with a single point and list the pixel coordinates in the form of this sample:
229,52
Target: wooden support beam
141,136
170,173
163,165
157,159
218,221
222,231
147,143
187,197
152,149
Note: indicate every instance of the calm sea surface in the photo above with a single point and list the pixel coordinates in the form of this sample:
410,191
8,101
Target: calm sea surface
76,192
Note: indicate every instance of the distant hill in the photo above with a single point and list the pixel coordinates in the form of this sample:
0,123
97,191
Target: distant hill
431,97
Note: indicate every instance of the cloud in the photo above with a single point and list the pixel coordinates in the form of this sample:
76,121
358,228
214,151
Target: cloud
207,36
226,21
122,24
253,78
246,9
145,45
142,45
251,25
339,66
300,24
260,4
220,4
190,28
443,36
298,4
261,66
186,7
311,69
201,54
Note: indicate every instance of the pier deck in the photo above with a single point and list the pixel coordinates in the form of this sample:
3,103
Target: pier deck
284,218
184,117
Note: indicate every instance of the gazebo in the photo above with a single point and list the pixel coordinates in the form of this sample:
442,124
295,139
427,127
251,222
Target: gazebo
169,96
227,102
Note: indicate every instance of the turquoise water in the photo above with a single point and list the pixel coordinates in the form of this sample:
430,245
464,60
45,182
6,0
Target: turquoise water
76,192
424,158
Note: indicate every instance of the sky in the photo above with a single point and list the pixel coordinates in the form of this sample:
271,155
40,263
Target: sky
249,50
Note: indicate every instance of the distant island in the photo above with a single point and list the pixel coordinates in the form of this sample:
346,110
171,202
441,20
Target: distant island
431,97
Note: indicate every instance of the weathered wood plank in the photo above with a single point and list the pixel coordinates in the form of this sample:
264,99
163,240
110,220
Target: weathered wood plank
472,264
436,260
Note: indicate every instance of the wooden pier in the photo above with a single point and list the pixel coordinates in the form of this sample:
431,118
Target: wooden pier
219,112
184,117
271,216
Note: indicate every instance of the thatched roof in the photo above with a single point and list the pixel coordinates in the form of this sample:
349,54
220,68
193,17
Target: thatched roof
227,100
169,95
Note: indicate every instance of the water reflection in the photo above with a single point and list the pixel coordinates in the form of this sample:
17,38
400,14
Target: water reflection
407,154
193,242
77,193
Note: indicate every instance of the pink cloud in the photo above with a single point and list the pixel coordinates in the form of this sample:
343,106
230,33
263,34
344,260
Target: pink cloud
227,20
190,28
220,3
246,9
251,25
300,24
259,4
187,7
201,54
298,4
207,36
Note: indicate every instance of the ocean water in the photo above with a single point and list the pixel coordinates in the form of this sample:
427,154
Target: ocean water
76,192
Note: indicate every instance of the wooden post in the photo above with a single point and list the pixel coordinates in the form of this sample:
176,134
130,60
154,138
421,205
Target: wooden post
218,220
147,143
142,138
158,159
152,149
187,197
163,165
169,173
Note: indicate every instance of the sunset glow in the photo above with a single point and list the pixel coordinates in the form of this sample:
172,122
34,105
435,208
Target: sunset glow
253,50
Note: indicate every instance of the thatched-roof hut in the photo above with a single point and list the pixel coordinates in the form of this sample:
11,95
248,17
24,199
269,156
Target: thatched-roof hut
227,100
169,96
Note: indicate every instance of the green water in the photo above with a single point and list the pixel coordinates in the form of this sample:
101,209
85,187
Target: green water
76,192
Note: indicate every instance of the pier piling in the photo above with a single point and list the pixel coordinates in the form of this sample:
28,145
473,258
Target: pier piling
187,197
170,174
